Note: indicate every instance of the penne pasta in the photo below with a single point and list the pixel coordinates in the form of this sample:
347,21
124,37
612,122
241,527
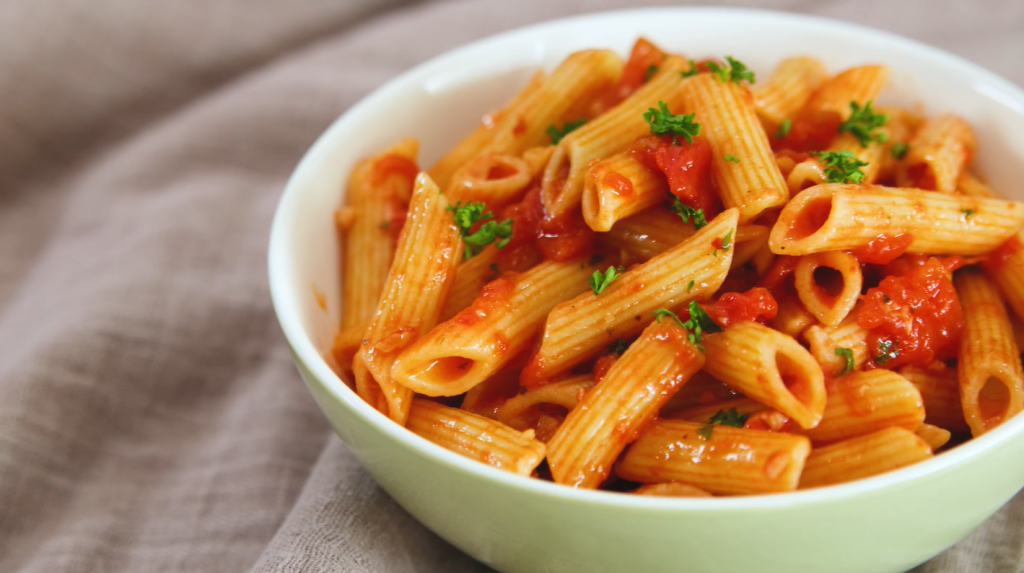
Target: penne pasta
863,402
940,394
565,393
828,285
939,153
611,415
671,489
989,368
790,85
495,179
617,187
719,459
474,274
864,456
934,436
829,343
835,217
579,329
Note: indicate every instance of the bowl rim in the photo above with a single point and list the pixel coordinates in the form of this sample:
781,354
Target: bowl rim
286,304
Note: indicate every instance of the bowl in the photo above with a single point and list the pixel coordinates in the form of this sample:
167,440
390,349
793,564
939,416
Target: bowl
890,522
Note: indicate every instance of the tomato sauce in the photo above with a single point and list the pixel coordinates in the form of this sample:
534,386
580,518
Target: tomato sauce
686,166
913,318
603,365
634,74
811,130
495,294
619,185
810,218
1003,252
732,307
559,239
777,274
884,249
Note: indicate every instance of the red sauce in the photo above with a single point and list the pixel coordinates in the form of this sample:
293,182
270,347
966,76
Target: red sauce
913,319
1003,252
777,274
603,365
395,214
494,294
643,55
884,249
920,176
520,127
393,164
811,130
688,170
770,421
810,218
732,307
558,239
619,184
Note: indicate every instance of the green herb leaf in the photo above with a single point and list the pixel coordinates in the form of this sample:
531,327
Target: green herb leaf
731,157
863,122
841,166
726,242
692,71
729,417
734,71
618,347
899,150
967,213
663,122
663,312
494,271
686,212
689,287
599,281
783,130
490,232
650,71
705,431
557,133
886,351
385,225
698,323
846,353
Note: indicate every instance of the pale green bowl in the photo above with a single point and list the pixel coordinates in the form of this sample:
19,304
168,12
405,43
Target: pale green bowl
887,523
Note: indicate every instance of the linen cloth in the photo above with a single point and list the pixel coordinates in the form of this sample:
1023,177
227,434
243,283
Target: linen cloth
150,416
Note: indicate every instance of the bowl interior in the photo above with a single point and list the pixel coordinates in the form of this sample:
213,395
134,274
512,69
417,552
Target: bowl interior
440,101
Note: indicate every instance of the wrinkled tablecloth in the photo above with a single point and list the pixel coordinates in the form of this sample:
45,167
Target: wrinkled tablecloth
151,419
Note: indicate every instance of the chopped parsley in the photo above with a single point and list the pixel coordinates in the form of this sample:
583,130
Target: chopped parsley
863,122
841,166
490,232
899,150
967,213
735,71
663,122
494,271
731,157
886,351
599,281
650,71
783,130
686,212
725,242
557,133
729,417
705,431
689,287
846,353
695,327
384,224
618,347
692,71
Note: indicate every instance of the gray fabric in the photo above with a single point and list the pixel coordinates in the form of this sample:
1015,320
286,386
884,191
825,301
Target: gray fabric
150,417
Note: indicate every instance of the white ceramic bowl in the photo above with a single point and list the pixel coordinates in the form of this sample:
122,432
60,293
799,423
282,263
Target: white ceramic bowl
515,524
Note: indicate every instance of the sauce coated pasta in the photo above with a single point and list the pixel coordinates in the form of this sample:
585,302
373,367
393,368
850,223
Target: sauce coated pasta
670,277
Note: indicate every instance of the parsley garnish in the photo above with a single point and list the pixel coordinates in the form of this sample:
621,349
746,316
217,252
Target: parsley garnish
846,353
899,150
735,71
886,351
967,213
556,134
726,242
841,166
618,347
729,417
599,281
863,122
692,71
663,122
490,232
697,325
689,287
494,271
686,212
650,71
705,431
783,130
731,157
384,224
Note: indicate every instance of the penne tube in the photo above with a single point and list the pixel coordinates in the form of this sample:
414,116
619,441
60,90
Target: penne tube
579,329
617,187
476,437
719,459
837,217
863,456
475,143
788,88
989,367
934,436
808,173
863,402
379,190
565,393
487,265
429,250
611,415
343,350
670,489
609,133
859,84
487,397
769,367
495,179
940,394
1006,270
823,342
792,318
703,414
938,155
900,128
828,285
537,159
702,388
502,322
730,126
971,186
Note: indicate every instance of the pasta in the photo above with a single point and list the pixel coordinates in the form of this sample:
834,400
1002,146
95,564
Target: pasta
665,278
